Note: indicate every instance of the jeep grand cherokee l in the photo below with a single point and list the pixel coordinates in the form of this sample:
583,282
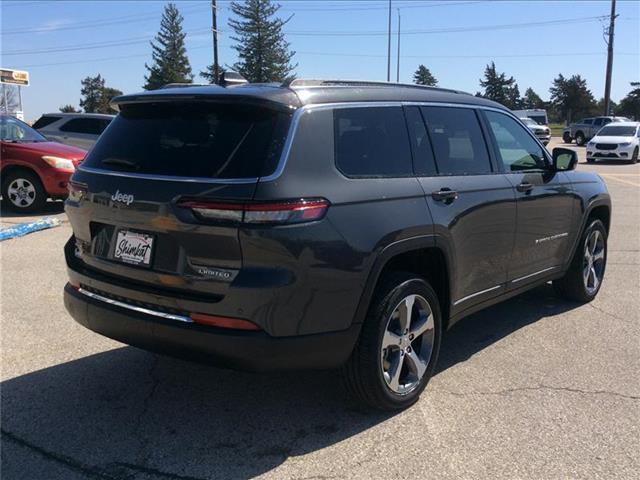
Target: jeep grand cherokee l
322,224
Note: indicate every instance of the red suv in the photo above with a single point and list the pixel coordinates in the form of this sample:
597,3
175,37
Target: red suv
33,168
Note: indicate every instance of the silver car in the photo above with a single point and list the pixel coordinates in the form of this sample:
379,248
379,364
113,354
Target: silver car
77,129
541,131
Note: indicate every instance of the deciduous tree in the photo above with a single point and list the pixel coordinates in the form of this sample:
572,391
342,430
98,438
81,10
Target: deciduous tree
571,98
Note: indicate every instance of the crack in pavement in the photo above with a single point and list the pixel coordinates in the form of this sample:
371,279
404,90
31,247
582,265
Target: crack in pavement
70,463
608,314
509,391
155,381
89,471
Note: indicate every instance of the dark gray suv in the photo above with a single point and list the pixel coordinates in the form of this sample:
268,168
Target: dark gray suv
322,224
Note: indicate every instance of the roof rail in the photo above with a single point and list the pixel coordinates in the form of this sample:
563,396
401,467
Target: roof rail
185,85
302,83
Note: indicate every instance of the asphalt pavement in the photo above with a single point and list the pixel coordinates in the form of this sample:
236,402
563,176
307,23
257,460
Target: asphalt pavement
536,387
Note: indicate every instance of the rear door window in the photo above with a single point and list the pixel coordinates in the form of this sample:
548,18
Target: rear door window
91,126
204,140
45,120
372,142
458,142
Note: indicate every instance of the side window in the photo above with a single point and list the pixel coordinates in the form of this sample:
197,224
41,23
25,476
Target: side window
103,125
82,125
588,121
458,143
518,150
423,161
44,121
606,121
371,142
597,122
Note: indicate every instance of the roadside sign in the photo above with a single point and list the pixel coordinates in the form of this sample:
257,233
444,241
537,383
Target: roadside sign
15,77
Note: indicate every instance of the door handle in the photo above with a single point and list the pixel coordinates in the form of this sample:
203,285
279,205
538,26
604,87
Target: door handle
445,195
524,187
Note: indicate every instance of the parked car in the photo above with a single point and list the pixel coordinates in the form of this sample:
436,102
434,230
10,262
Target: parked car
542,132
322,224
33,168
538,115
586,128
619,141
77,129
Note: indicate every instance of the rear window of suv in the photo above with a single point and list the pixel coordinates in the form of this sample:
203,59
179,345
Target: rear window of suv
204,140
45,120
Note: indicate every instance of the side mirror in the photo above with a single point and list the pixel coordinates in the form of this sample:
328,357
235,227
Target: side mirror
564,159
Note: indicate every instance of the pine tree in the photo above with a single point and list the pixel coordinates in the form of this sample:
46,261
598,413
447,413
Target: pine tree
531,99
264,54
209,75
423,76
499,88
571,98
96,96
68,109
170,61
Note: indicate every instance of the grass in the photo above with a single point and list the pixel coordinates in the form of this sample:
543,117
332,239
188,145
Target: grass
556,129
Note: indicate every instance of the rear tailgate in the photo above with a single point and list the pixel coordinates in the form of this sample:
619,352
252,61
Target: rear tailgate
124,208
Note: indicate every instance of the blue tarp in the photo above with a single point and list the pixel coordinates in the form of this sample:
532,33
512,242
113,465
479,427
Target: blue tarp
25,228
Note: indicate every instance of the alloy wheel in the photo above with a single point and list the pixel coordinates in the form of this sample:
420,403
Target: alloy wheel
593,263
407,344
21,192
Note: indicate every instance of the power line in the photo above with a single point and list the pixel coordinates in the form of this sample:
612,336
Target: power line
449,29
332,54
91,46
138,17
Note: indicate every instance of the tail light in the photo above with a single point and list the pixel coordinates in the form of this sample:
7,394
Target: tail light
298,211
77,191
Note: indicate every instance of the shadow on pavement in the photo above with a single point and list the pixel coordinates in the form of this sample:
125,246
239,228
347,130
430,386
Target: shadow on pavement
52,207
125,412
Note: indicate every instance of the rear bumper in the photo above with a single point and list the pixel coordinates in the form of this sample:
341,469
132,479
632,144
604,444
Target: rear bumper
255,351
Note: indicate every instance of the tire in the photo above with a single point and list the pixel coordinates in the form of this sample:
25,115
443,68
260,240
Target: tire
369,372
574,285
580,139
22,191
634,155
566,137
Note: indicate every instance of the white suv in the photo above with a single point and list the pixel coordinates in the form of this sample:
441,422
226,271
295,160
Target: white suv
616,141
77,129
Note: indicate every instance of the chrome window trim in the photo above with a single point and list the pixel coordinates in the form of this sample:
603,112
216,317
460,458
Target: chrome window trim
468,297
293,127
155,313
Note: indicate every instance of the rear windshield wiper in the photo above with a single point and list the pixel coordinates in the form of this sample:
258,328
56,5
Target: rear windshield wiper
122,162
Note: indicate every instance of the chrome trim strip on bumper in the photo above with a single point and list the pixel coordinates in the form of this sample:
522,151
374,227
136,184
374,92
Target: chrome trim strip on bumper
464,299
532,274
155,313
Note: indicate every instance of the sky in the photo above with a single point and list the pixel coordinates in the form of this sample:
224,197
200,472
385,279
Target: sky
61,42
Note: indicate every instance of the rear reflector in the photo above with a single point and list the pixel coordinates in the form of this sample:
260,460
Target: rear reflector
299,211
223,322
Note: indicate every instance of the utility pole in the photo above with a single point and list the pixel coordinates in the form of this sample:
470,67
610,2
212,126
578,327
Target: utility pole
214,29
398,62
607,87
389,47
